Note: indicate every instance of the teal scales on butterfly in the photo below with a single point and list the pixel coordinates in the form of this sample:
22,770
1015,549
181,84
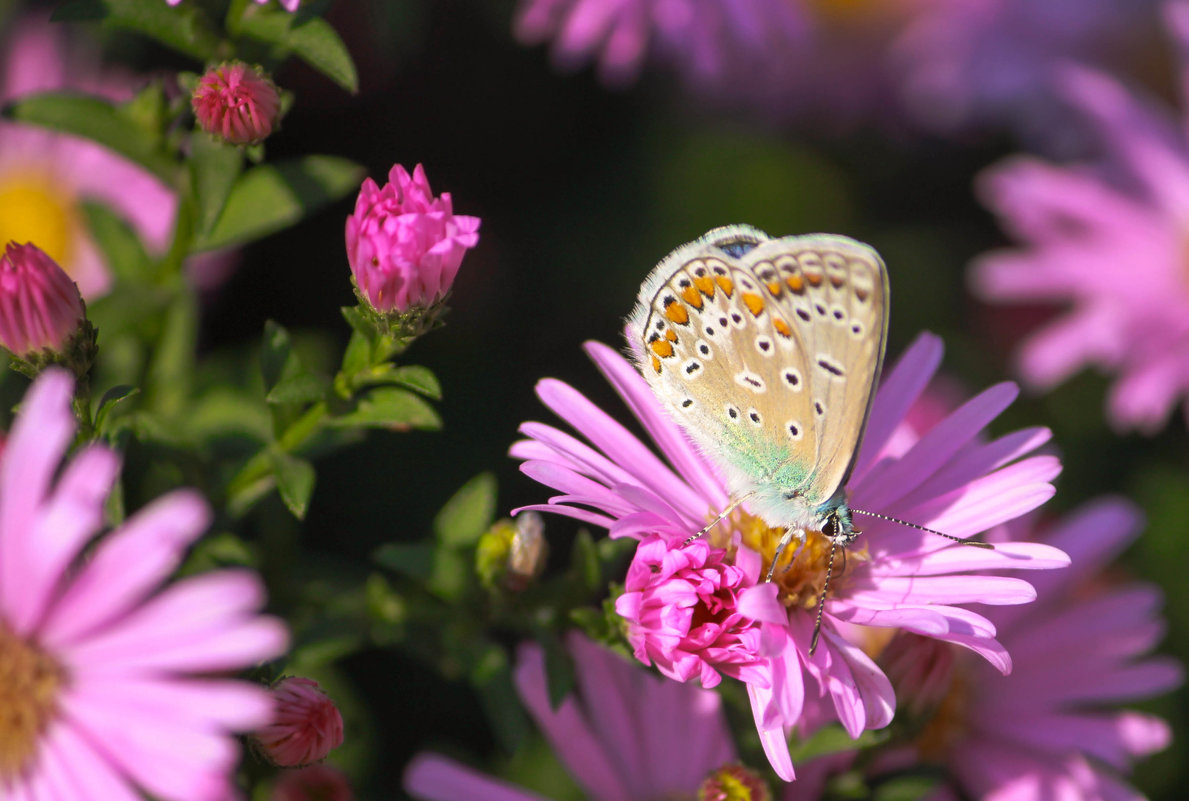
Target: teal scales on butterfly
766,351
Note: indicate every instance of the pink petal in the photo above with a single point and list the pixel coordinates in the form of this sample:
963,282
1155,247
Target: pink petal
437,778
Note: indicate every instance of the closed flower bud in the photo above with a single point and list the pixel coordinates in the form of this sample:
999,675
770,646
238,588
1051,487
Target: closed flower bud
306,725
315,783
512,553
237,103
42,316
404,245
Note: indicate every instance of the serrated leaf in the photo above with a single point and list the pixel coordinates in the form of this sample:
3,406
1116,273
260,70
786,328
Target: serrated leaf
414,561
310,38
295,481
417,378
468,513
214,167
391,408
185,28
122,249
272,197
98,120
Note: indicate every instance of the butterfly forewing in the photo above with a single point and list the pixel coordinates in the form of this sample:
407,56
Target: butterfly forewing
766,351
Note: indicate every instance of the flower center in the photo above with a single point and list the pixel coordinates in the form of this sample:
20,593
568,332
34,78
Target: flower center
734,783
800,573
29,684
32,210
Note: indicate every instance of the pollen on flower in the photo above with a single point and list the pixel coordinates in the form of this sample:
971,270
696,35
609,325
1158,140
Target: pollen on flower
800,572
29,684
734,783
32,210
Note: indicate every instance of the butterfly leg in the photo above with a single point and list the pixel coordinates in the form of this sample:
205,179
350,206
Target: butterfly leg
732,506
789,534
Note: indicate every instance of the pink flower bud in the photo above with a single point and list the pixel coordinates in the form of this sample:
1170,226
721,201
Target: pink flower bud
315,783
236,102
40,307
404,245
306,725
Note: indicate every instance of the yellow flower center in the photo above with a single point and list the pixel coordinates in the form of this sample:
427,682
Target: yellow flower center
30,681
33,210
800,573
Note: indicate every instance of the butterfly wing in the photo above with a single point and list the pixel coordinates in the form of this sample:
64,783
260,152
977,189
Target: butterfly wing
722,338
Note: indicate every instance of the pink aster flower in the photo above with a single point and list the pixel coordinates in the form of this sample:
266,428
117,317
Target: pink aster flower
1051,729
45,177
969,62
306,725
1108,242
40,307
625,736
106,689
404,245
237,102
895,577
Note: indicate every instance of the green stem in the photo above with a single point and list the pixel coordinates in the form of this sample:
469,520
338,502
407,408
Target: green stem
296,435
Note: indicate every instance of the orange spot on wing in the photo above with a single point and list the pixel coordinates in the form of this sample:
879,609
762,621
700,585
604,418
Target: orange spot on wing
662,348
671,335
782,327
692,296
837,281
705,284
796,283
814,279
656,364
754,303
861,293
774,288
728,286
677,313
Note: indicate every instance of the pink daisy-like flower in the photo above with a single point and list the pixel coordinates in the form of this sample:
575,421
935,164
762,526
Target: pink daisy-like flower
1049,729
895,576
45,177
104,689
625,736
1108,242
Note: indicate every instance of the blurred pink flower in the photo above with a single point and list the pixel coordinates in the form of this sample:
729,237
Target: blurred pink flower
1109,242
314,783
624,736
105,690
682,604
961,63
236,102
39,305
404,245
897,577
306,725
1049,730
45,177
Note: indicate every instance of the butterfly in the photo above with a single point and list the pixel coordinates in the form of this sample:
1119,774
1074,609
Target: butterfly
767,351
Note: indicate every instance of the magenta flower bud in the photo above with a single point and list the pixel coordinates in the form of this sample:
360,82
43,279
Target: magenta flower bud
306,725
404,245
236,102
40,307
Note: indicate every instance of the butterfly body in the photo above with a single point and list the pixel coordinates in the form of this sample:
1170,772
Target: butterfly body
766,351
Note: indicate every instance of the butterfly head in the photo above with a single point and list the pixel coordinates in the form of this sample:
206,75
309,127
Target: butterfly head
834,520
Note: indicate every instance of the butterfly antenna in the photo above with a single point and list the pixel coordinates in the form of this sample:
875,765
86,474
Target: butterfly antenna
974,543
821,601
732,506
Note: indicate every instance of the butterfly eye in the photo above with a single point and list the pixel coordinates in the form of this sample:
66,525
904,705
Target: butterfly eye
830,528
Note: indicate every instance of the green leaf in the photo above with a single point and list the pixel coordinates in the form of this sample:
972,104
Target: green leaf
310,38
417,378
559,670
295,481
171,371
214,166
274,355
272,197
185,28
493,682
300,387
910,787
392,408
121,246
469,513
415,561
109,400
286,379
98,120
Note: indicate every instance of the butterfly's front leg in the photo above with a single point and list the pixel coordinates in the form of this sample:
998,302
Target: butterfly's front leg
790,533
